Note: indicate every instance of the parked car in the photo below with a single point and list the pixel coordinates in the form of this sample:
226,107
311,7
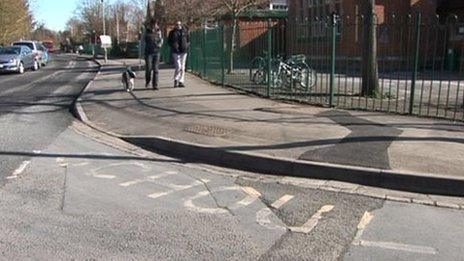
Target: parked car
45,53
33,45
17,59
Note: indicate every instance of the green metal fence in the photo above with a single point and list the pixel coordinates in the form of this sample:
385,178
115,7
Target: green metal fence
325,61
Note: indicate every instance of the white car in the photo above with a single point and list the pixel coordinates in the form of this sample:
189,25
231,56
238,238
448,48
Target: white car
34,46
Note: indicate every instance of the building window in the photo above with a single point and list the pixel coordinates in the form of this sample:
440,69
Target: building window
461,30
278,7
318,11
323,8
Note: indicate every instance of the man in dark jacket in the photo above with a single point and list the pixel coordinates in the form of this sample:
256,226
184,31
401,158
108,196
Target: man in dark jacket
179,42
153,44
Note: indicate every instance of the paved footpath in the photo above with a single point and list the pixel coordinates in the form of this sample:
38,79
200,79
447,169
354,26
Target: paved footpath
223,119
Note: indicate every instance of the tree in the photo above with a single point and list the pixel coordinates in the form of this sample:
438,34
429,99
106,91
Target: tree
370,68
41,33
234,8
16,20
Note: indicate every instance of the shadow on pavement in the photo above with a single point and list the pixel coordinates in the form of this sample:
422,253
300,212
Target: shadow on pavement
84,156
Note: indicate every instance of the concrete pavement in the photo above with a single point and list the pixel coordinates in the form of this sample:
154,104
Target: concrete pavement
217,125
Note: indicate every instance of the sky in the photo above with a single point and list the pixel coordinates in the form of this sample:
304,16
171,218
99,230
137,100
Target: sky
54,13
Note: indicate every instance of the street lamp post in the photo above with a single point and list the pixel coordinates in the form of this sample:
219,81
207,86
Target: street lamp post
94,52
104,28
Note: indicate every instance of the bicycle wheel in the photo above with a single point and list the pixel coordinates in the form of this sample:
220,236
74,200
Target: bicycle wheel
307,78
285,81
259,77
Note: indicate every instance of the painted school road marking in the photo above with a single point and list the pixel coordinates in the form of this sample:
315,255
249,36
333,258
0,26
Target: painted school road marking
189,204
251,195
96,172
366,219
400,247
146,179
82,164
176,188
281,201
251,191
263,219
19,170
312,222
263,216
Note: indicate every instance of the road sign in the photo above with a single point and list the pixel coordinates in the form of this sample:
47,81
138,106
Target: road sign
105,41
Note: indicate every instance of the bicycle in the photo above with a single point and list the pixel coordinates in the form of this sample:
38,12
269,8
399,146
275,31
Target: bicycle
293,73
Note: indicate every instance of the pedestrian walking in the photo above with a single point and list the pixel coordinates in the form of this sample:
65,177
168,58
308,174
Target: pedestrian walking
179,41
153,44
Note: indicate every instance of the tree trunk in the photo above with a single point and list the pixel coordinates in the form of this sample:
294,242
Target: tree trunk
230,69
370,69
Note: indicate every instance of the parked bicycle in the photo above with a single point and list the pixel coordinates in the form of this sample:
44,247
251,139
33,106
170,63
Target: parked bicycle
293,74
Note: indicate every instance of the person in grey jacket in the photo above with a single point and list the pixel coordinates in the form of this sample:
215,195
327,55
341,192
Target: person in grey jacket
153,44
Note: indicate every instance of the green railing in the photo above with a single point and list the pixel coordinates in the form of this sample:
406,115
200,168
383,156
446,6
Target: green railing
325,61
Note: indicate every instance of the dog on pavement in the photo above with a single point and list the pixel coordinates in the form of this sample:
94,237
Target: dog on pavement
128,78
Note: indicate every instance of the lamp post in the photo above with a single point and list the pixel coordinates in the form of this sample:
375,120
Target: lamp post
104,28
94,52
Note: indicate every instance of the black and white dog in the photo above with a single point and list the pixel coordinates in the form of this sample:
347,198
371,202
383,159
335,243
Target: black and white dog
128,78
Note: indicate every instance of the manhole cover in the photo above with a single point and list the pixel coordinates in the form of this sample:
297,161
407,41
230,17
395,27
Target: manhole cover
206,130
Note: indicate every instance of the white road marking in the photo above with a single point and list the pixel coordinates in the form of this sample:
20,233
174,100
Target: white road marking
103,176
263,219
281,201
251,191
175,188
19,170
366,219
59,160
95,172
149,178
81,164
189,204
158,194
312,222
248,200
399,247
250,197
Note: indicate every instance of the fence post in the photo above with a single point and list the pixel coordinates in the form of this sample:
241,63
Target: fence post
204,52
223,57
416,63
269,57
332,59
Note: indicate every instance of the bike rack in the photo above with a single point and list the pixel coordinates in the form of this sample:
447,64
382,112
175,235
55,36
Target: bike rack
261,64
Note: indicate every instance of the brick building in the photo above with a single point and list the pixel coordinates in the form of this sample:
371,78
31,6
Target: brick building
390,14
309,29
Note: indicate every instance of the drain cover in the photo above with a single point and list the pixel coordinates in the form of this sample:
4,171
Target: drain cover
211,131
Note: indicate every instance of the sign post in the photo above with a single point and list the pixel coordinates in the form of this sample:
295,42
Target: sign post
105,43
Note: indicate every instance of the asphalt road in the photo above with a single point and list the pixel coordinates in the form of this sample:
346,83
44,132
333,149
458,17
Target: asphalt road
34,107
83,200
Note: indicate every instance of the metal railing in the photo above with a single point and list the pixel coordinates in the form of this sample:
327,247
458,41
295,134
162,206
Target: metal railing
419,61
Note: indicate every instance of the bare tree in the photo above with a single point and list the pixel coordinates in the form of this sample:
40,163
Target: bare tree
16,20
235,8
41,33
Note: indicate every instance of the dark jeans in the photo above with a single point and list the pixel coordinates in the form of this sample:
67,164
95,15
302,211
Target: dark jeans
152,64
